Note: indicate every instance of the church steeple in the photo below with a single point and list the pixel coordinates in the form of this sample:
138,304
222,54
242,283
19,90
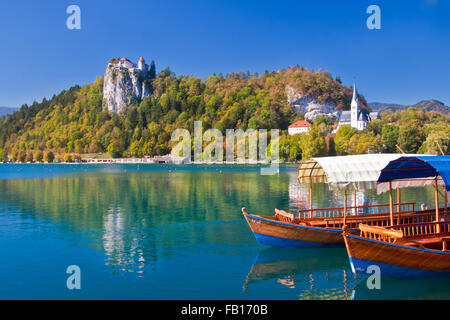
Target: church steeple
354,107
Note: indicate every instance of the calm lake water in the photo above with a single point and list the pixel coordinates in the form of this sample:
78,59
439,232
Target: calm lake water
171,232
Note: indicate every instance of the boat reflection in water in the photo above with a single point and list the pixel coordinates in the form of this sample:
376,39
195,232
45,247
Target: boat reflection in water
311,274
315,274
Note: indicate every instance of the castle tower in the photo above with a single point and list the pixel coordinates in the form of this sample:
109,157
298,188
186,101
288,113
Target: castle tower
354,108
141,64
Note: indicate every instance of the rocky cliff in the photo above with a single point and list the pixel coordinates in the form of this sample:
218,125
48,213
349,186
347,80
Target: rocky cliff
123,82
309,105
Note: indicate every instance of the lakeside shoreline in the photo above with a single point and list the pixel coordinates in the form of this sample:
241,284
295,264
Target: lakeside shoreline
228,164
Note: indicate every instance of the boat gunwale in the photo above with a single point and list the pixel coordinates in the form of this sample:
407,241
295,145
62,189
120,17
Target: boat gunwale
396,245
297,225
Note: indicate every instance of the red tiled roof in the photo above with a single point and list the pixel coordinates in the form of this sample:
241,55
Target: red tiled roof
125,59
300,123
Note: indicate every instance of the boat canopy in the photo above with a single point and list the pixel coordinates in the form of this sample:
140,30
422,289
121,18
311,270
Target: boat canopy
345,172
415,171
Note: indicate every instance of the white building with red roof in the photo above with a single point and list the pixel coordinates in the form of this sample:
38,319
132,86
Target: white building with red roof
125,63
301,126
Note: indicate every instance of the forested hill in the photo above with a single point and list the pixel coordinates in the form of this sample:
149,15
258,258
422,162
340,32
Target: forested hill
427,105
76,121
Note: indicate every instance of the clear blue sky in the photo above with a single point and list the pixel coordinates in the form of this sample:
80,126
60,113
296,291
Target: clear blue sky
404,62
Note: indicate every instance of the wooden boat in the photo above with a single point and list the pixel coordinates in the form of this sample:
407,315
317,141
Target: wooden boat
399,255
322,227
284,230
412,250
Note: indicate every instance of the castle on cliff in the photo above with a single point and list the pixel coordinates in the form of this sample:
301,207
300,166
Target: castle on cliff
124,81
126,64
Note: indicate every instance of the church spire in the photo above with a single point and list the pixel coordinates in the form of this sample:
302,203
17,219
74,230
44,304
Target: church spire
355,97
354,108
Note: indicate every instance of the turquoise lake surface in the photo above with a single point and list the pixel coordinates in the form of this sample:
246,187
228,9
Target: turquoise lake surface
171,232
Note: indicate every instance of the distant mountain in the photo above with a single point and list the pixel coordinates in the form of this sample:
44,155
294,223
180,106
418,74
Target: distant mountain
433,105
427,105
6,110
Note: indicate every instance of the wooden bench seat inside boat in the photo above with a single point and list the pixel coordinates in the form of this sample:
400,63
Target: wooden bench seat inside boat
284,216
430,243
431,240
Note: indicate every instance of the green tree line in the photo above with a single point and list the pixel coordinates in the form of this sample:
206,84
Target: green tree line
412,131
77,122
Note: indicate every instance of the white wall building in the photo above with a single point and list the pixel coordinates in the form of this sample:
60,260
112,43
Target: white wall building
125,63
301,126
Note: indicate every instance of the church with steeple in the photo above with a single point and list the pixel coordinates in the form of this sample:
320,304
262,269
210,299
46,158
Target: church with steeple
356,118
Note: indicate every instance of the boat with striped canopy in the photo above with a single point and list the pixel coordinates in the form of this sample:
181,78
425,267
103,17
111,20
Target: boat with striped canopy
407,250
322,227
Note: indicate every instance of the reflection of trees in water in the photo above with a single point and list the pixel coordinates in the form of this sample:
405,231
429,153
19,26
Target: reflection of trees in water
298,193
125,250
121,213
125,214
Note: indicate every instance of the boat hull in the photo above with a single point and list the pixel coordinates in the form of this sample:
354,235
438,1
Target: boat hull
396,261
288,235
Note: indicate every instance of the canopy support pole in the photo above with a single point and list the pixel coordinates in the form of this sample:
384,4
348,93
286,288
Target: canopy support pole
445,201
436,199
310,198
354,199
399,200
345,207
391,205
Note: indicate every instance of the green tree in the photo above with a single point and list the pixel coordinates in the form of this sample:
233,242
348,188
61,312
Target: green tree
389,135
67,157
313,143
152,71
21,155
3,155
115,149
38,156
375,127
410,136
362,143
49,156
439,136
323,119
290,147
342,139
